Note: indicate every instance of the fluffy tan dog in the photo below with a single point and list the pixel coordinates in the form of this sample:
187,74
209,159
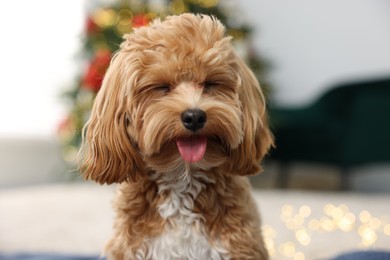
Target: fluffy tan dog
179,121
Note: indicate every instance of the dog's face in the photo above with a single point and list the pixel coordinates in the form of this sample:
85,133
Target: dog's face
175,95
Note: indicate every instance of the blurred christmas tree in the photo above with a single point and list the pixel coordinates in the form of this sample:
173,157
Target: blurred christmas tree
105,25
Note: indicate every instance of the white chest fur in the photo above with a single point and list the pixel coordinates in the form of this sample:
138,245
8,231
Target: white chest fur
184,237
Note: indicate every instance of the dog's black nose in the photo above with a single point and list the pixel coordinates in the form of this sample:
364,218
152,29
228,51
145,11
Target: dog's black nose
193,119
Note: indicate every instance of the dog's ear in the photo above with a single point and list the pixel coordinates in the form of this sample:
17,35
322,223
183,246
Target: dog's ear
245,159
108,154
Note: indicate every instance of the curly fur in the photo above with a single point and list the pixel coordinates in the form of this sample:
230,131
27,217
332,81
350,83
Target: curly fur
168,208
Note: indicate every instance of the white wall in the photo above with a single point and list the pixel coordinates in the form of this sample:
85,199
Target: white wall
314,44
39,40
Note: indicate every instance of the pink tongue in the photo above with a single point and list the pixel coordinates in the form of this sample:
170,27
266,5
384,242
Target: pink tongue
192,149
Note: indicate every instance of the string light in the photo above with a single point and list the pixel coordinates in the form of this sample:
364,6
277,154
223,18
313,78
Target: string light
365,216
368,235
208,3
105,17
303,237
347,223
124,21
177,6
305,211
299,256
306,228
287,249
269,234
386,230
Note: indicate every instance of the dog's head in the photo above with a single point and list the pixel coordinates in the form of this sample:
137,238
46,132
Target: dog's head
176,94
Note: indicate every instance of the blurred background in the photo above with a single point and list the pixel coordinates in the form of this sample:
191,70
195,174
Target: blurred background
299,52
325,66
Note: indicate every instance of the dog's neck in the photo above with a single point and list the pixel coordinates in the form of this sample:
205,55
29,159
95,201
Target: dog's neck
182,187
185,234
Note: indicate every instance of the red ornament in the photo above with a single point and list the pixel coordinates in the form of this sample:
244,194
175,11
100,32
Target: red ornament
90,26
139,20
97,68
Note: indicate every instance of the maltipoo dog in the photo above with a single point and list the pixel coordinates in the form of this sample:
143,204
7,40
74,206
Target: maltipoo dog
179,121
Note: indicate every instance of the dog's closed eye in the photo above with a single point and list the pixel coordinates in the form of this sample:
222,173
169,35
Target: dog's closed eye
210,85
163,88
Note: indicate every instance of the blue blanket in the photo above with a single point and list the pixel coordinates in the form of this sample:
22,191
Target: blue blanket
366,255
47,256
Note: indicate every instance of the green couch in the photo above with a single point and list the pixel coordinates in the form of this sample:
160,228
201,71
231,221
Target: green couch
347,126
